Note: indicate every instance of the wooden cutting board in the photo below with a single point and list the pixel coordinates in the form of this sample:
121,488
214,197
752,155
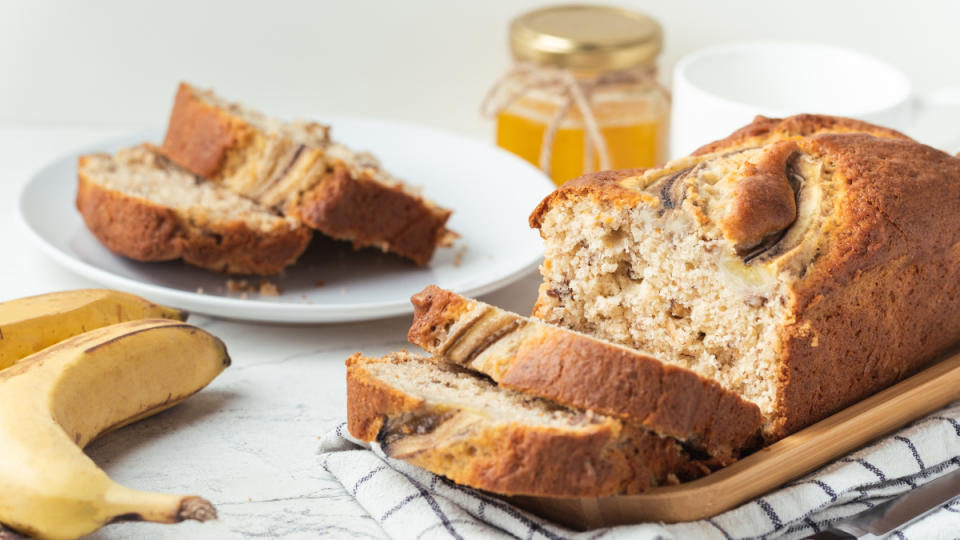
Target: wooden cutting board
770,467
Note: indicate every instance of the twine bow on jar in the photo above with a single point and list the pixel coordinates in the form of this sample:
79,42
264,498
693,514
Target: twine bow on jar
572,90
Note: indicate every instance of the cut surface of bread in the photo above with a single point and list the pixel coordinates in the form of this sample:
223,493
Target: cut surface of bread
461,425
803,263
142,206
298,169
579,371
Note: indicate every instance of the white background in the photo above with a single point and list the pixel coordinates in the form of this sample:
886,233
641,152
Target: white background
115,63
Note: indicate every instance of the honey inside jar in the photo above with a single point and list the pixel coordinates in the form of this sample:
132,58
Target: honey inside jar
609,54
633,128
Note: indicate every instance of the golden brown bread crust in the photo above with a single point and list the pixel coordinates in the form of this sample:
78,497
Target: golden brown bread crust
209,141
199,135
765,130
582,372
878,301
137,228
362,211
510,458
602,181
370,402
761,131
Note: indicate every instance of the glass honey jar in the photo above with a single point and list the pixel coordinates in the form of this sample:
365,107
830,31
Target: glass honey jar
583,92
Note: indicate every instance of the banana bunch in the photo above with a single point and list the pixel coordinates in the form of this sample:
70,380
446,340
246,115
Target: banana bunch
28,325
85,363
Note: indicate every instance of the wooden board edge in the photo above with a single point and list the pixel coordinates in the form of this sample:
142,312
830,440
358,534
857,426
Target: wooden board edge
770,467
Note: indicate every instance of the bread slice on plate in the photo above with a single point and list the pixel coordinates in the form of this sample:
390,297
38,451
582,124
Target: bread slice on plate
580,371
802,263
142,206
460,424
298,169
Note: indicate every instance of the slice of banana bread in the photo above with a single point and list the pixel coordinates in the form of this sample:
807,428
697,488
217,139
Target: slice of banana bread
579,371
803,263
296,168
461,425
142,206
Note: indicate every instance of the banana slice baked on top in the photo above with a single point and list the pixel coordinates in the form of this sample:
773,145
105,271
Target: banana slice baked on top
298,169
141,205
802,263
580,371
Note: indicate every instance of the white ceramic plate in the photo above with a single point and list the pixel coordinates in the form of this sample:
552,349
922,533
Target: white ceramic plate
490,191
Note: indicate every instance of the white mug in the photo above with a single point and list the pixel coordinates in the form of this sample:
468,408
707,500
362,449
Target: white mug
719,89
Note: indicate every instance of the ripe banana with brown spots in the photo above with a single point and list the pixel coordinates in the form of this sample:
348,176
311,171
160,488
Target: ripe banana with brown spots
54,402
30,324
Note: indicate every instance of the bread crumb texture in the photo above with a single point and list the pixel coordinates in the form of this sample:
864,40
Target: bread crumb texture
803,263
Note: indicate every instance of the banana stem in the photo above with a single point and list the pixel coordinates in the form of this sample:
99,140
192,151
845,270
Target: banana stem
127,504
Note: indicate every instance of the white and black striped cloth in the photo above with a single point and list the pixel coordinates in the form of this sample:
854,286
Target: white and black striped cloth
409,502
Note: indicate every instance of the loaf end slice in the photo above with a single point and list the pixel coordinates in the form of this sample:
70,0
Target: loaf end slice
580,371
142,206
461,425
298,169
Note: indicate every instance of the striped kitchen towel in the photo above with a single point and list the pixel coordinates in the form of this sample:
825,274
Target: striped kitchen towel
409,502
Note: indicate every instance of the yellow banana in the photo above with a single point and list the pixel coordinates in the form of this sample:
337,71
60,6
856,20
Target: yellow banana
28,325
56,401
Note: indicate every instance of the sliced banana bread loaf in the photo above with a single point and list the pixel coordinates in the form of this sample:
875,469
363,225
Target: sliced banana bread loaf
579,371
803,263
142,206
296,168
461,425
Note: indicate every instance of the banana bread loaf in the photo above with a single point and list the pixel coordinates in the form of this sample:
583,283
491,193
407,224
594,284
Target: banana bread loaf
803,263
140,205
461,425
579,371
296,168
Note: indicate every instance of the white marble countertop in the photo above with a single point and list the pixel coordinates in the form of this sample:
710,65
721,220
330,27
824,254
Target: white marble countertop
249,441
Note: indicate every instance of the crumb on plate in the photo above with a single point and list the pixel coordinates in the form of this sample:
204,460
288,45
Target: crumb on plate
458,256
263,288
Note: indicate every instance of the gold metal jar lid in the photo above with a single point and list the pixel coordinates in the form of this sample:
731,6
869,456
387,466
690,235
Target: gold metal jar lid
582,37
